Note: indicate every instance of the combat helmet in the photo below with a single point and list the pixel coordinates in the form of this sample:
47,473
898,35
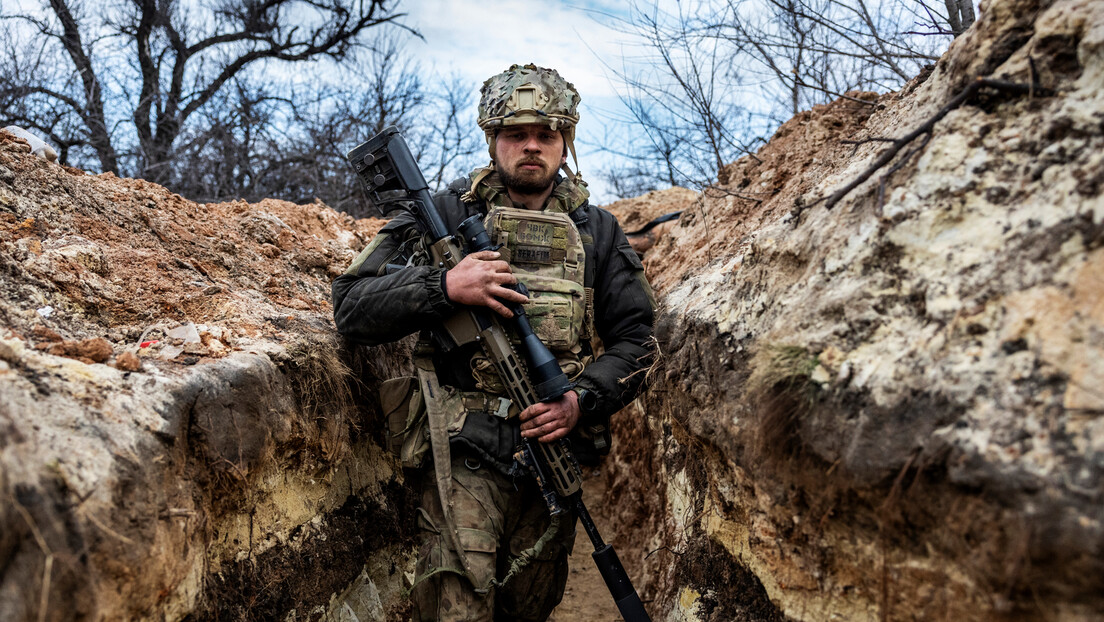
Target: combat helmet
527,94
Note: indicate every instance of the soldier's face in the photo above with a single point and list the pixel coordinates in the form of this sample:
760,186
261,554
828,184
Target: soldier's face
528,157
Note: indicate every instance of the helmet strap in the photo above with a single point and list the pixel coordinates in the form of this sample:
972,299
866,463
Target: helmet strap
574,177
477,179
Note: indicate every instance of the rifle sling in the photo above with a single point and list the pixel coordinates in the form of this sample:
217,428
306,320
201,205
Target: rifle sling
442,460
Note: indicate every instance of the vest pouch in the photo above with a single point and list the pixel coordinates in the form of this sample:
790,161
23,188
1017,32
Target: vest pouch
401,400
556,309
488,438
591,441
395,397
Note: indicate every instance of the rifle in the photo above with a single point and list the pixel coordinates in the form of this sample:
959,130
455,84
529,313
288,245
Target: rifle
391,176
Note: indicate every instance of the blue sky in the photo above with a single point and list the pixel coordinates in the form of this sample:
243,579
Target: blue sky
479,38
474,39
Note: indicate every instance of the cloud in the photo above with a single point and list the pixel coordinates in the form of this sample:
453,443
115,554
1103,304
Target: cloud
479,38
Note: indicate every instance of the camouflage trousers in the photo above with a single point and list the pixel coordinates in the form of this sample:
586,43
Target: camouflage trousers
495,522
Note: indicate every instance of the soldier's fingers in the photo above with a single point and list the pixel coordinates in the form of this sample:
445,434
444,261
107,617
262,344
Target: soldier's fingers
504,277
540,430
499,308
486,256
509,295
548,421
536,427
550,431
555,435
529,415
498,266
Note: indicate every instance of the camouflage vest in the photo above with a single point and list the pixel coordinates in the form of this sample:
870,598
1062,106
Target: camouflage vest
545,252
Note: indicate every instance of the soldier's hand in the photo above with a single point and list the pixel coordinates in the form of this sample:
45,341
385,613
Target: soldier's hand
551,421
480,279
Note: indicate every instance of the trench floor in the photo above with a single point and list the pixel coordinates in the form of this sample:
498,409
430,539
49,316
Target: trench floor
586,597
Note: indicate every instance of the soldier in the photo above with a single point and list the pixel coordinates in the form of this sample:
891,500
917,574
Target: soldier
489,550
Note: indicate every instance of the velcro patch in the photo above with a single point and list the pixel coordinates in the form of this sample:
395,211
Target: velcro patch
536,233
538,254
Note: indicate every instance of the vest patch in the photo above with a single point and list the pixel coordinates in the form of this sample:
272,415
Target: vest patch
536,233
538,254
548,257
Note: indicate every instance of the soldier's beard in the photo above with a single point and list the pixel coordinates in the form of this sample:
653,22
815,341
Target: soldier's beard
527,182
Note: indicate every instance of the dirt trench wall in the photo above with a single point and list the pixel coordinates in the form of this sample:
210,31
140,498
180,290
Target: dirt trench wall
181,437
891,409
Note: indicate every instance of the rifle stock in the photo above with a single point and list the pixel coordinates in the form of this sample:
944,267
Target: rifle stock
392,177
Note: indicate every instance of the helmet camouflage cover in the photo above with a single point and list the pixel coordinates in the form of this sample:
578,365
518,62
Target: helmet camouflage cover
527,94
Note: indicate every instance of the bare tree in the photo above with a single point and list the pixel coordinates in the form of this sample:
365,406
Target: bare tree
677,92
449,144
203,102
806,52
960,15
716,76
255,144
181,56
25,97
630,180
224,153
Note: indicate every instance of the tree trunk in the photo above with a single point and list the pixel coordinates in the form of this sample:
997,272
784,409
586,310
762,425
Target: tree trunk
93,114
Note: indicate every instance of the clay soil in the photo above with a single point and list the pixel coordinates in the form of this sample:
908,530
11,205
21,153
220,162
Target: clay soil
113,256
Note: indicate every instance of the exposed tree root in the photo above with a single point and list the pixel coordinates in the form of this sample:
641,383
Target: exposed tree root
967,94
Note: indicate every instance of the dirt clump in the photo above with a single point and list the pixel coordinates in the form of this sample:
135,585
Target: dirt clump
116,253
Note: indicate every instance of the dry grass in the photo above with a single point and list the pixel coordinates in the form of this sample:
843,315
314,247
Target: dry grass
783,391
321,381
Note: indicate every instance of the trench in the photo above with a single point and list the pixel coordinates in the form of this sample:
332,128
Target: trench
889,410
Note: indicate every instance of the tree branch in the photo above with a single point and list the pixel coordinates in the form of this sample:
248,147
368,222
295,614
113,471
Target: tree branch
968,93
94,117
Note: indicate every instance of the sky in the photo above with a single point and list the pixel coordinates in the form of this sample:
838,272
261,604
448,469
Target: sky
479,38
476,39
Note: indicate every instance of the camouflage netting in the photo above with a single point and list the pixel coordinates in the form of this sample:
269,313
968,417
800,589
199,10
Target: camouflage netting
528,94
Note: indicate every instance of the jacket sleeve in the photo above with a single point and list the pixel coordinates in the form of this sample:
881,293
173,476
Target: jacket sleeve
373,307
624,313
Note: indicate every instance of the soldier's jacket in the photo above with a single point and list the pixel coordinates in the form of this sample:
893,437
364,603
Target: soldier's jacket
373,307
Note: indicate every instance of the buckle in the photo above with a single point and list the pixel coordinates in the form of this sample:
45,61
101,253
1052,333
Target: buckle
503,411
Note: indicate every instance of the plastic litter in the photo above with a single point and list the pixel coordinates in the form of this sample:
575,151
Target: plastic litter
46,311
187,332
38,146
168,353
